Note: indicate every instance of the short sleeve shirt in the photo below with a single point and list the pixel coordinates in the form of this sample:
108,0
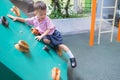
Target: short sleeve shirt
43,25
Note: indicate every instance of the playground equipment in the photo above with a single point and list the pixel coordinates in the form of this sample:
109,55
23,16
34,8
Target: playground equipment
37,63
35,31
118,37
93,21
56,73
101,20
22,46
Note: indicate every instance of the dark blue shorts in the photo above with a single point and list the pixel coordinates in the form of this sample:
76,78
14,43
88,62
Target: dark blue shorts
55,38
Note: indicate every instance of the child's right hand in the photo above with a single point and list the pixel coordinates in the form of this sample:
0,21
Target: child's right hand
12,17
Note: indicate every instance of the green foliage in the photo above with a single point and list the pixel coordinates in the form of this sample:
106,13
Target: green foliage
59,14
56,14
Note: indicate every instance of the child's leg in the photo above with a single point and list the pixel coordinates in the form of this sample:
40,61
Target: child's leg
68,51
46,41
59,51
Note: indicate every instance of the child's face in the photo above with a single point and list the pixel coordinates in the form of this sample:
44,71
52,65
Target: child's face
41,14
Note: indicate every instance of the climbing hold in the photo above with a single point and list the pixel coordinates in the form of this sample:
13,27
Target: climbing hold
21,31
56,73
35,31
22,46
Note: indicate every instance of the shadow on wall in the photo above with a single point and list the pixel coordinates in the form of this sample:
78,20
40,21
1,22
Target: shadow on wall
7,74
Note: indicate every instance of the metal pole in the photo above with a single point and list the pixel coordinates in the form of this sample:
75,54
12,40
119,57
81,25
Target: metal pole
93,18
118,37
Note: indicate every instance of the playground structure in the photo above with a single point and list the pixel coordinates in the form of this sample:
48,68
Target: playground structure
22,54
118,37
5,61
93,21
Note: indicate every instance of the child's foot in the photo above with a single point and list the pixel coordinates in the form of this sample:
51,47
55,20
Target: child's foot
4,21
73,62
46,48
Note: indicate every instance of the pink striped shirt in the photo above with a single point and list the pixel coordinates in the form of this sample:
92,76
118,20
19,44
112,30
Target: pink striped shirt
43,25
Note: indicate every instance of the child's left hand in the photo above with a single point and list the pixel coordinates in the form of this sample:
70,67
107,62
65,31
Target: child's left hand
38,38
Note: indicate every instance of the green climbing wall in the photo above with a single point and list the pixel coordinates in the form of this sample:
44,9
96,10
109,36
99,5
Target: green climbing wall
35,65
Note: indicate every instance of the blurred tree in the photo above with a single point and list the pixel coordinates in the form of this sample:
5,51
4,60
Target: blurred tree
60,8
66,8
56,5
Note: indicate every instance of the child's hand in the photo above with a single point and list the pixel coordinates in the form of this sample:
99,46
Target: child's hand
38,38
16,10
12,17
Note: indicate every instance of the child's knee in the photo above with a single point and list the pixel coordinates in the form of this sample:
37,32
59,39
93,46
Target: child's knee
47,41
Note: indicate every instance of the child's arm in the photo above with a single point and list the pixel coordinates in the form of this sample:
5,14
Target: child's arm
42,35
45,33
16,18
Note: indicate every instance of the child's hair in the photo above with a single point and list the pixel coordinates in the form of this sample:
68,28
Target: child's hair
40,5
